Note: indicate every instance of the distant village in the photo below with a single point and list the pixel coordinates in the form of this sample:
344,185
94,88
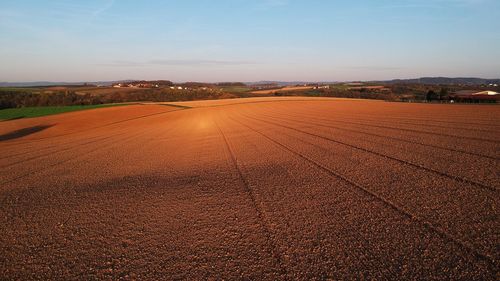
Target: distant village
164,84
206,86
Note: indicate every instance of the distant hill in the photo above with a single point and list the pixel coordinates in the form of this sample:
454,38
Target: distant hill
109,83
286,83
48,83
424,80
444,81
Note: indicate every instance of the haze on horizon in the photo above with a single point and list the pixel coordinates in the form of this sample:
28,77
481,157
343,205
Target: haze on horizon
241,40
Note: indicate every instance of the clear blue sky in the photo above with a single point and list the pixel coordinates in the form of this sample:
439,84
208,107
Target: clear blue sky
248,40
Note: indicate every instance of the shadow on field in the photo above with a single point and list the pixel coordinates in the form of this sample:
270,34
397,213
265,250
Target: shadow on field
23,132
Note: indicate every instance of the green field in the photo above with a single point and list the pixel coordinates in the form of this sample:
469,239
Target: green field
235,89
28,112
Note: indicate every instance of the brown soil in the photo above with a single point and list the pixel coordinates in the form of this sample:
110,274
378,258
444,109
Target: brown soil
256,189
79,121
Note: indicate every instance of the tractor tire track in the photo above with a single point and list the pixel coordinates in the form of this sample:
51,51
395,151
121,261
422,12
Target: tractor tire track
419,131
100,148
61,150
275,253
382,136
91,128
346,121
431,119
310,113
408,163
466,247
122,131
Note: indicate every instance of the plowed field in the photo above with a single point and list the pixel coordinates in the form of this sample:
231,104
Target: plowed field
274,189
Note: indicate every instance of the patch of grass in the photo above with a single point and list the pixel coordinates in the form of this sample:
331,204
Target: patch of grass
235,89
340,86
28,112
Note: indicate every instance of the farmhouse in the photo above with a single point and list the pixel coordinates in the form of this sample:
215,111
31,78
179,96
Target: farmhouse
322,87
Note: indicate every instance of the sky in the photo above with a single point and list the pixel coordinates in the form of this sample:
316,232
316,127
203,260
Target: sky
247,40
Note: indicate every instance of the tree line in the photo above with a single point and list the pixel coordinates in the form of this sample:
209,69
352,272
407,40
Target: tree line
13,99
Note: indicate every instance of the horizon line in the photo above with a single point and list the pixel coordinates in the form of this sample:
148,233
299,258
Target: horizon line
254,81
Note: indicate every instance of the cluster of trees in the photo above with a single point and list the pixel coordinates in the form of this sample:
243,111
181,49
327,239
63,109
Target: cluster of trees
396,92
163,95
341,93
13,99
231,84
442,95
